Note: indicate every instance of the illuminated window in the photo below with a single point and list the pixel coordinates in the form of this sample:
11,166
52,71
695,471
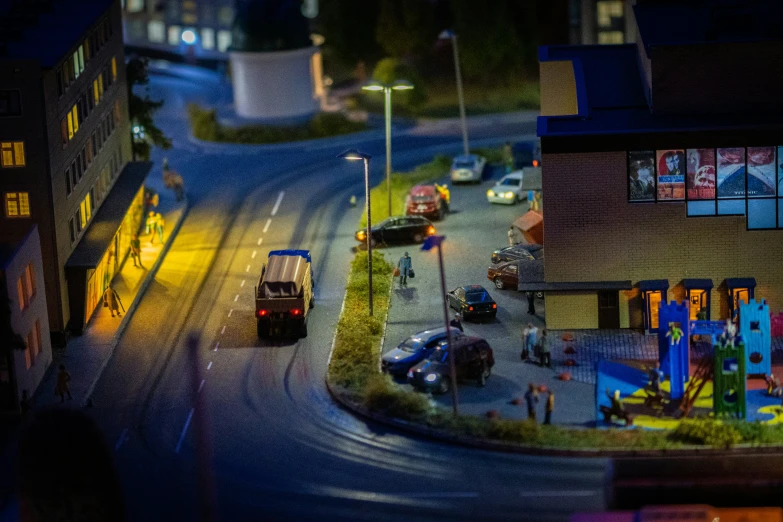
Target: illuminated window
223,40
189,18
17,204
75,113
29,278
208,38
81,58
114,69
100,86
226,16
95,94
135,6
156,31
75,65
611,37
189,5
83,213
21,294
12,154
174,34
608,11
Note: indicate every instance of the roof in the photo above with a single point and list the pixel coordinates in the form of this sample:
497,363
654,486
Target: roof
529,220
653,284
57,31
283,276
543,286
107,220
741,282
702,284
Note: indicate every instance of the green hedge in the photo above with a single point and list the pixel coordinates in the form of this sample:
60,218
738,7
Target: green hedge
204,126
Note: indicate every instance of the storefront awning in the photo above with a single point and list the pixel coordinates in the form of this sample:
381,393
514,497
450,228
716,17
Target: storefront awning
653,284
108,218
543,286
740,282
697,284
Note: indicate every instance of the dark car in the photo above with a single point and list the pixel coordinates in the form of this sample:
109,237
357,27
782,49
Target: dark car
504,275
401,229
418,346
473,302
517,253
526,154
474,360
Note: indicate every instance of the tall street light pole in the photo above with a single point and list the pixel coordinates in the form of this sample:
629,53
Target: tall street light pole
355,155
450,35
399,85
430,243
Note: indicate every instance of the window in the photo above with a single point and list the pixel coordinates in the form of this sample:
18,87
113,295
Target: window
156,31
28,351
611,37
21,294
208,38
111,121
68,186
114,69
608,11
134,6
78,221
223,40
226,16
100,86
94,143
10,103
85,210
86,45
70,125
72,230
174,34
89,153
81,58
17,204
75,59
12,154
60,86
75,112
107,77
189,18
29,277
117,118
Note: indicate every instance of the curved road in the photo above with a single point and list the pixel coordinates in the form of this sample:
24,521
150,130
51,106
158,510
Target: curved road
279,447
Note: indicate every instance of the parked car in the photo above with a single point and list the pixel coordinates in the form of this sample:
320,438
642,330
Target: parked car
517,252
474,360
414,349
425,200
505,275
473,302
468,169
401,229
508,190
526,154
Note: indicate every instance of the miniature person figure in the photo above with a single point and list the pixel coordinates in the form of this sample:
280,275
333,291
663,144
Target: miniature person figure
405,266
63,388
352,201
550,407
531,303
531,398
655,375
457,322
544,350
530,338
445,195
135,247
508,157
511,236
532,198
702,314
674,334
112,300
773,387
149,226
165,164
159,224
617,402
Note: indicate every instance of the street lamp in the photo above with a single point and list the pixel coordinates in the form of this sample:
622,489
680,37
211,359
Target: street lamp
430,243
450,35
355,155
399,85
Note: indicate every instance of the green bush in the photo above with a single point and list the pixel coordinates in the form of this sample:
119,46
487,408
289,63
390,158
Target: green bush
203,123
494,155
521,431
709,432
382,395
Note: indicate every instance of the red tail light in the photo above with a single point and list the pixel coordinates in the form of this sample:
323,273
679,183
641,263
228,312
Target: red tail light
535,163
470,309
494,305
296,311
431,231
262,313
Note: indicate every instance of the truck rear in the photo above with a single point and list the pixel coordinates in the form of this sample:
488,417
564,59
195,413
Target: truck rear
284,294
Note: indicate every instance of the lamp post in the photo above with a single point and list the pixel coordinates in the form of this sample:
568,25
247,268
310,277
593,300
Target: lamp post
450,35
430,243
399,85
355,155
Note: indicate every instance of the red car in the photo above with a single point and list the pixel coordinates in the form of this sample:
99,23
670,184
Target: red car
424,200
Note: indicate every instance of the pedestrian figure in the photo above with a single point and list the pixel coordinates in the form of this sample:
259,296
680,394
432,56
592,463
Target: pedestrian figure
655,378
674,334
550,407
150,224
457,322
532,199
531,304
508,157
63,388
531,398
159,224
112,300
618,407
405,266
529,338
544,350
165,164
25,406
352,201
511,236
135,247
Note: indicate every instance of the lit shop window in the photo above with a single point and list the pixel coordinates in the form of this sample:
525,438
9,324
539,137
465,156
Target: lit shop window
17,204
114,69
12,154
156,31
134,6
223,40
174,34
208,38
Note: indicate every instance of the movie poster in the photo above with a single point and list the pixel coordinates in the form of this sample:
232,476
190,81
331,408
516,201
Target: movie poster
701,173
761,172
780,170
641,175
671,174
731,172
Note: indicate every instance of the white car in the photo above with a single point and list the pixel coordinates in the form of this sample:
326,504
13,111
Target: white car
468,169
508,190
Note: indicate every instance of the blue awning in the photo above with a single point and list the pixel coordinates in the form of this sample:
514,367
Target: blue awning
654,284
740,282
699,284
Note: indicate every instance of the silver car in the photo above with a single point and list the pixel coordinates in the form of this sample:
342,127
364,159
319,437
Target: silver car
468,169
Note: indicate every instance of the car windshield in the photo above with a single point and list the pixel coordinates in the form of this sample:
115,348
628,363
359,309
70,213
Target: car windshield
463,164
422,199
476,296
511,182
410,345
440,354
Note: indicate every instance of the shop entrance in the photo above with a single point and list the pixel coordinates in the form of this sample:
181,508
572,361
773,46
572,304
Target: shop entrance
653,293
608,309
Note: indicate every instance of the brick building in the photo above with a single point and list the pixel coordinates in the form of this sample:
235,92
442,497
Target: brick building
663,167
64,146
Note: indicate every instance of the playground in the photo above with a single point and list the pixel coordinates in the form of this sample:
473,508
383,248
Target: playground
720,369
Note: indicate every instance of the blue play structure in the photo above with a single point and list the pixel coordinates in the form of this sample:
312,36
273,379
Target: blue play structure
674,357
754,327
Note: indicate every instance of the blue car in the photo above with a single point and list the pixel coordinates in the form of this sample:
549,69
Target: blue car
414,349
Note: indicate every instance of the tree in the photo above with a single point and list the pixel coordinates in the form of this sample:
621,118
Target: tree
406,28
142,109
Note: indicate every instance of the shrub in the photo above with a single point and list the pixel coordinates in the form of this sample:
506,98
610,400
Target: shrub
520,431
203,123
705,431
383,395
494,156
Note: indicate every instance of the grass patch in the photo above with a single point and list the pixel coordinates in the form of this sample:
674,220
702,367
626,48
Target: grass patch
204,126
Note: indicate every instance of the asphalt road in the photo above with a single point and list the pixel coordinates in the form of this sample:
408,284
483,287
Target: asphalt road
277,445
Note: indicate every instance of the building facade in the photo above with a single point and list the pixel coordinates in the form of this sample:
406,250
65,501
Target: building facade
21,274
65,140
663,174
600,22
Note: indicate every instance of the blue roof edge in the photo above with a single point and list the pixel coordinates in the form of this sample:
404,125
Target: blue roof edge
582,107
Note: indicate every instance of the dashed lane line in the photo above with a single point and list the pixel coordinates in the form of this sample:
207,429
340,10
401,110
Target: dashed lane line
247,269
277,203
260,240
236,297
184,430
209,365
200,386
217,345
223,330
254,254
268,222
242,284
230,312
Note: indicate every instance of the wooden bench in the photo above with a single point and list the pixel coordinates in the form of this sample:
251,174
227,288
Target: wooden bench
609,413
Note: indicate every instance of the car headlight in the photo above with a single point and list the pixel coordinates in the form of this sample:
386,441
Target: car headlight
491,193
432,377
508,195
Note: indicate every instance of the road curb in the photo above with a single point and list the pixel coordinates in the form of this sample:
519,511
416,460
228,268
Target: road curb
132,308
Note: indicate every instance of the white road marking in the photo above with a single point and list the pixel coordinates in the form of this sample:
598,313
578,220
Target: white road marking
236,297
223,330
184,430
260,239
268,222
242,283
216,346
209,365
254,254
230,312
444,494
247,269
201,385
121,440
277,204
576,493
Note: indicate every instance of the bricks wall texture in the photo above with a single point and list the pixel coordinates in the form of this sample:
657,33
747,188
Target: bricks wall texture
592,233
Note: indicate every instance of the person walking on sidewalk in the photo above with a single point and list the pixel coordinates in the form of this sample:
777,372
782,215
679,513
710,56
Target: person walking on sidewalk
531,303
511,236
112,300
544,350
159,224
149,226
529,338
550,407
531,398
63,388
135,246
457,322
406,267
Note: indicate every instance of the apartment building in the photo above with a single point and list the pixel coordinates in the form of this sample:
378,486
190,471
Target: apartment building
65,143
